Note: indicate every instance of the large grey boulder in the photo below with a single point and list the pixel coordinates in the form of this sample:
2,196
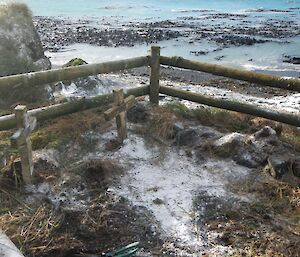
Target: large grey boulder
21,51
20,46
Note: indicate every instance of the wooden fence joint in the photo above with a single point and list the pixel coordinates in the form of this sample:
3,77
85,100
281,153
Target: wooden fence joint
119,110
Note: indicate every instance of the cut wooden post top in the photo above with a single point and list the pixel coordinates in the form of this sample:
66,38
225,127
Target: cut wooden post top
21,108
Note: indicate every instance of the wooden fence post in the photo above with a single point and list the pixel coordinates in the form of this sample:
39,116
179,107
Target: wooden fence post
155,74
21,139
121,117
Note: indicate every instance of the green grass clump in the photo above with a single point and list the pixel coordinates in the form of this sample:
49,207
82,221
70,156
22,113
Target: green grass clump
74,62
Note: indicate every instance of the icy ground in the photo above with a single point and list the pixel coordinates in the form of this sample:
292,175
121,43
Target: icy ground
166,181
289,103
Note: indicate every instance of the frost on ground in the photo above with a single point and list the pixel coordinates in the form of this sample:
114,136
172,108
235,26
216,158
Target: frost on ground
166,182
287,103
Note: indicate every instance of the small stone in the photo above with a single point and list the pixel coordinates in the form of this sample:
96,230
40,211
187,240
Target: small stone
138,113
158,201
186,137
296,167
277,167
265,132
229,144
245,159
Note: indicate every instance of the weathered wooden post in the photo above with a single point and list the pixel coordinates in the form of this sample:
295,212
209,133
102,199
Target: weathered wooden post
21,139
119,111
154,76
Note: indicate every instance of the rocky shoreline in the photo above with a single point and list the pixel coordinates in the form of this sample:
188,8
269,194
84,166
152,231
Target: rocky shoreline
222,29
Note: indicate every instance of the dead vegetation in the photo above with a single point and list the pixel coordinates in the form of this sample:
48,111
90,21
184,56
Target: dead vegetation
68,128
39,229
269,226
227,121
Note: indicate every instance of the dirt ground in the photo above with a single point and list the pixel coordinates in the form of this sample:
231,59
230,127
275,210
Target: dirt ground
93,195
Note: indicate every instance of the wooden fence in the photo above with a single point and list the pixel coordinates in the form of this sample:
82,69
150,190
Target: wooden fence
153,90
154,61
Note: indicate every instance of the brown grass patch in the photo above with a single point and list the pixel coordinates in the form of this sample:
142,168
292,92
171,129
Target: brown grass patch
71,127
27,226
162,122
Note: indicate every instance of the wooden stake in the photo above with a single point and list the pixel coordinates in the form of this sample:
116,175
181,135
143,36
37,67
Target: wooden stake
155,73
21,139
119,111
121,117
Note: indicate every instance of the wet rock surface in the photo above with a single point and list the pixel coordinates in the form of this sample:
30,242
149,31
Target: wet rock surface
213,26
292,59
83,86
56,34
20,48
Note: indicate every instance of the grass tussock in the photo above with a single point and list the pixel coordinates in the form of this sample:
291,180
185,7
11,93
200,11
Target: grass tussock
29,226
275,208
58,131
162,122
227,121
209,116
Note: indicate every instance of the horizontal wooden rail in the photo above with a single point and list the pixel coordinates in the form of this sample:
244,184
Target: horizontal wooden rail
253,77
232,106
53,111
50,76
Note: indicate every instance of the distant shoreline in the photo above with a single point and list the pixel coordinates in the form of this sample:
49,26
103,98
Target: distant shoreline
231,39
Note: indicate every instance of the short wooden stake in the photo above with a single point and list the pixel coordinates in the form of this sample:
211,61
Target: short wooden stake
119,111
21,139
155,74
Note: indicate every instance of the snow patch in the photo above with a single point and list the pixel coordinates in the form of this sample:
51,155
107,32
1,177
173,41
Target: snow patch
166,183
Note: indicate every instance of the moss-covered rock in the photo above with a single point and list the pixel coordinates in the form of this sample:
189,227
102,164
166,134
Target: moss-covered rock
74,62
85,86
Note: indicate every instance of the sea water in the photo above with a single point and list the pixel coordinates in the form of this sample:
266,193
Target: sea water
146,9
266,57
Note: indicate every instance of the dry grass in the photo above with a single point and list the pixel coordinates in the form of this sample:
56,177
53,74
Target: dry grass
209,116
227,121
269,224
58,131
162,122
26,227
